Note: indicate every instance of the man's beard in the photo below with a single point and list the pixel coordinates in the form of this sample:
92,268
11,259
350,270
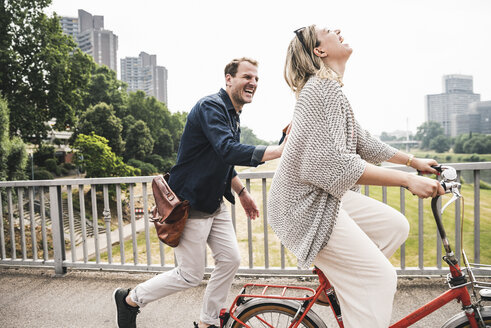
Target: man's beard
237,97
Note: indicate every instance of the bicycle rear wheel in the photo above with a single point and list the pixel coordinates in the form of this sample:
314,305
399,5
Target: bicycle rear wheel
261,313
460,320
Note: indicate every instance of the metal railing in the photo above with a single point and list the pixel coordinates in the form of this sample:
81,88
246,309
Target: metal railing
69,223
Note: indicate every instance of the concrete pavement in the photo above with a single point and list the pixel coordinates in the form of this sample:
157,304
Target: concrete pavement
37,298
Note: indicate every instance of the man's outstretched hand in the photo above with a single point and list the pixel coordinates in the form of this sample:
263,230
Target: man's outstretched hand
249,205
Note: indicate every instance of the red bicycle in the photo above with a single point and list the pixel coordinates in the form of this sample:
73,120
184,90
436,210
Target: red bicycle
273,306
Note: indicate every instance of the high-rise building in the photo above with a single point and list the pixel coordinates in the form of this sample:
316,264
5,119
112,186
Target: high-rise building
446,107
89,33
483,108
69,25
142,73
477,120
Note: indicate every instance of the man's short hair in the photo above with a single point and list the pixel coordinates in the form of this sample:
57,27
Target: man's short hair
233,66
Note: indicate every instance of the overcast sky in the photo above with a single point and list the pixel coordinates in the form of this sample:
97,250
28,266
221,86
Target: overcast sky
402,48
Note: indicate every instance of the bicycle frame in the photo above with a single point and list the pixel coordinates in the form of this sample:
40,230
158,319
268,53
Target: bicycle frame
461,294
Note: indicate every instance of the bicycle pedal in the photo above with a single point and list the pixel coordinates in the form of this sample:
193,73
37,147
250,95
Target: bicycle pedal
485,294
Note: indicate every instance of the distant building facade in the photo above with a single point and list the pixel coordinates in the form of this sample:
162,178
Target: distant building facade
89,33
477,120
69,25
447,108
142,73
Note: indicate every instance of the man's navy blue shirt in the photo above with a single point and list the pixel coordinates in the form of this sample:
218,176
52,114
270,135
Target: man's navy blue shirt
209,148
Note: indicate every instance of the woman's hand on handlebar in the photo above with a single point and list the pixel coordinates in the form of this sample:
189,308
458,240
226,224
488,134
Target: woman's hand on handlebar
424,165
424,187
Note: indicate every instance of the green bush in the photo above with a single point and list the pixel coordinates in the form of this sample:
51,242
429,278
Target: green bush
484,185
42,174
472,158
69,166
95,157
43,153
156,160
16,159
52,166
162,165
146,168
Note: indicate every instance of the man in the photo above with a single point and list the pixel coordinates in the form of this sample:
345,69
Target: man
204,174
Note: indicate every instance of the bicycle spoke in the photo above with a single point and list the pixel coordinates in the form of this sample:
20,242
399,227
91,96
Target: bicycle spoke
263,322
270,320
276,315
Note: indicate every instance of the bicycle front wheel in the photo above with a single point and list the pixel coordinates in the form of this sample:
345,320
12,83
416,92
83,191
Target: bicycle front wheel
460,320
274,313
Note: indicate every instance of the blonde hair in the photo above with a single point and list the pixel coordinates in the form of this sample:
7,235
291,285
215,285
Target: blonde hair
301,62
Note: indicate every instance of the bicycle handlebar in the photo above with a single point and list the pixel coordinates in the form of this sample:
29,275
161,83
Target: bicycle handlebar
450,185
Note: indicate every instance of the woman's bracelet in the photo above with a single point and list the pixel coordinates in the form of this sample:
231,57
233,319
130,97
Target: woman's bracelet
409,160
241,190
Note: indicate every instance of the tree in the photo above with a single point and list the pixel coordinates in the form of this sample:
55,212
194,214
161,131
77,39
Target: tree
39,76
427,132
164,144
139,141
458,146
95,156
77,84
473,143
13,154
177,123
158,119
4,138
105,87
384,136
127,122
478,143
440,144
248,137
101,120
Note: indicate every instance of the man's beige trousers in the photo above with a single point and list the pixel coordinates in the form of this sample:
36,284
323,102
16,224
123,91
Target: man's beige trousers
217,231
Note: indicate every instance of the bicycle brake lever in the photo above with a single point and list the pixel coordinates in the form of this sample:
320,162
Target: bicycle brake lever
453,199
453,187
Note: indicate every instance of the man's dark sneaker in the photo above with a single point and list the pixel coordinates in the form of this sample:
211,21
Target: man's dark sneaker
126,317
197,326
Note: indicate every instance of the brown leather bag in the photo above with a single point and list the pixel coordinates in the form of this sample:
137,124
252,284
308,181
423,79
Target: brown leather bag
170,213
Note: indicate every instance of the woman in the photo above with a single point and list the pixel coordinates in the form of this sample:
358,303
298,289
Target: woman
313,207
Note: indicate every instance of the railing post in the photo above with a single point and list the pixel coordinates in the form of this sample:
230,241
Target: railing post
402,201
477,217
58,234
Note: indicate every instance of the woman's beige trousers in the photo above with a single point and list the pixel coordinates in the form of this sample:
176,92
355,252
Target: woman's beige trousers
355,260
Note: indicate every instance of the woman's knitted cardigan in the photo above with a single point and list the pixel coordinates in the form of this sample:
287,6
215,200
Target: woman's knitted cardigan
323,158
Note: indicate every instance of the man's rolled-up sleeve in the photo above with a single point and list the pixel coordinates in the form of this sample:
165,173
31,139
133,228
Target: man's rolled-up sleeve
258,154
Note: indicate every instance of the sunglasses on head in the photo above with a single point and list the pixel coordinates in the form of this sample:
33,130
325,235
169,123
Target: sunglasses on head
299,34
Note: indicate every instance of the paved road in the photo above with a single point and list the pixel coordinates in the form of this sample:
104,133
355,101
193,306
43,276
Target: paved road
37,298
